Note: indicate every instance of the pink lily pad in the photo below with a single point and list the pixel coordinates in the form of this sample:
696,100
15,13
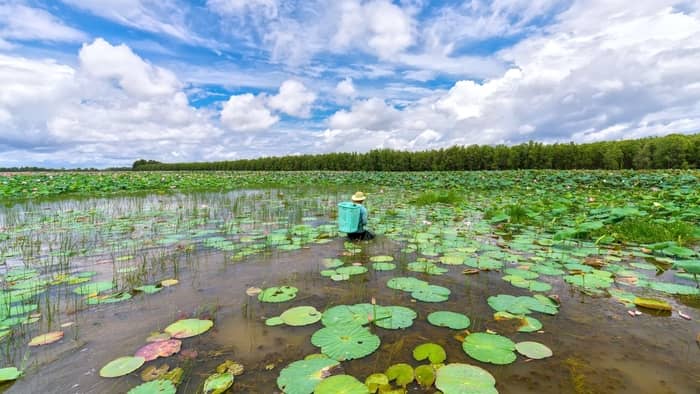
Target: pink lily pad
159,349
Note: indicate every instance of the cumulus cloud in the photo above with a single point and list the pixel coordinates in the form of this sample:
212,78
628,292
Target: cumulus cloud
20,22
345,88
603,71
293,99
246,112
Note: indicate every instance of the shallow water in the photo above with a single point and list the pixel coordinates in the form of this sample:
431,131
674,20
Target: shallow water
598,347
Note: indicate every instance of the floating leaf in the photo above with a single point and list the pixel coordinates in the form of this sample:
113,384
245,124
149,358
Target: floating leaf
218,383
383,266
394,317
534,350
301,377
274,321
652,304
431,293
406,283
345,342
401,373
375,381
425,375
489,348
464,379
149,289
432,351
351,270
300,316
152,372
9,373
278,294
121,366
160,386
159,349
186,328
381,259
341,384
93,288
46,339
453,320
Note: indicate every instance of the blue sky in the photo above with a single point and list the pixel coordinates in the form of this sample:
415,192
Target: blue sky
105,82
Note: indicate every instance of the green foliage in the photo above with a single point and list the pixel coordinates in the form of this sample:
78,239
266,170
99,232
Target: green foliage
645,231
432,197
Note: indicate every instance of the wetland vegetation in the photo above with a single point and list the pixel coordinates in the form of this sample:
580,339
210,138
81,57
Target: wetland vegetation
478,282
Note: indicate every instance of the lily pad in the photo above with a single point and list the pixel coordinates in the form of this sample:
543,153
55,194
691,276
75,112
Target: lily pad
431,293
465,379
46,339
432,351
489,348
394,317
651,303
157,349
300,316
381,259
345,342
381,266
406,283
375,381
453,320
301,377
9,373
278,294
186,328
121,366
533,350
401,373
351,270
160,386
218,383
425,375
341,384
93,287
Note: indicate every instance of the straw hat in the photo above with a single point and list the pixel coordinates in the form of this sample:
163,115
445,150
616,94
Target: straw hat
358,197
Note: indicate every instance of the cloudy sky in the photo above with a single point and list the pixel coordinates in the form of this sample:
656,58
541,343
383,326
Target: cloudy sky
105,82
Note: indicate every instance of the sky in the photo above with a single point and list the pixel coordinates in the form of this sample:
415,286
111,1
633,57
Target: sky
101,83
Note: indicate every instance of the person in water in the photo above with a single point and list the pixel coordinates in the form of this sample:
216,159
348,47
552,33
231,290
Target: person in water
361,234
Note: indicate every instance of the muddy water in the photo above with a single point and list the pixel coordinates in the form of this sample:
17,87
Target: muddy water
597,347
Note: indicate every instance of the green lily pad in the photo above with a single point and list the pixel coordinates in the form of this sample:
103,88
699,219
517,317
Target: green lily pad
351,270
341,384
533,350
382,266
489,348
394,317
218,383
375,381
464,378
401,373
406,283
332,263
425,375
149,289
358,314
108,299
121,366
345,342
93,287
278,294
9,373
160,386
274,321
431,293
301,377
453,320
522,305
300,316
381,259
186,328
432,351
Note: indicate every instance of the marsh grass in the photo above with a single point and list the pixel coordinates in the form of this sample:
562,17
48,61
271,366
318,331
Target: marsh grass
433,197
645,231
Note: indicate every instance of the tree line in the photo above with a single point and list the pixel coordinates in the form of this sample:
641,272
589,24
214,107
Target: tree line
671,151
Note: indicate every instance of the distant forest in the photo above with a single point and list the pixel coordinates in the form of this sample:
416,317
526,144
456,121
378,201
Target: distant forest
672,151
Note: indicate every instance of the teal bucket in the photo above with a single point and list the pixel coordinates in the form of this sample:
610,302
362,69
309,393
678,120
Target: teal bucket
348,217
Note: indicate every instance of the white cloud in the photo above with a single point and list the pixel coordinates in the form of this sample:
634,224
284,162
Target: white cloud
246,112
267,8
20,22
345,88
603,71
293,99
137,77
371,114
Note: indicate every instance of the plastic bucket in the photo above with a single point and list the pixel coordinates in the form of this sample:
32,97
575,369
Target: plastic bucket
348,217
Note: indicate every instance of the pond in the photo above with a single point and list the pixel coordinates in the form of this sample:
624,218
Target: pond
111,274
